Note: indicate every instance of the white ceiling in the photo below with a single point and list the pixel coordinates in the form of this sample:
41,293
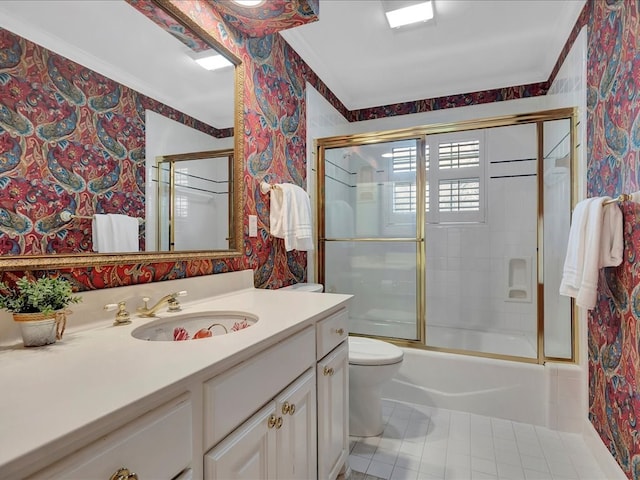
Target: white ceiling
472,45
114,39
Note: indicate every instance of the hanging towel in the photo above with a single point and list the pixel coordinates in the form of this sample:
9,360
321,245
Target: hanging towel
290,216
113,233
595,241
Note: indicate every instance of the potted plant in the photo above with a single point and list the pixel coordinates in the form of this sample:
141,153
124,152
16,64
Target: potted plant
39,306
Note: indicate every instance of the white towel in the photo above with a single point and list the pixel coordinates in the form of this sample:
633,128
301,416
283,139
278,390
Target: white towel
290,216
113,233
595,241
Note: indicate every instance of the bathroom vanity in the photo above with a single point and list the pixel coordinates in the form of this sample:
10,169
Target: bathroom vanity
267,401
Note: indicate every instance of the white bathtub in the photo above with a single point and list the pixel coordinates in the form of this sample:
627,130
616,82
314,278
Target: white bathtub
498,388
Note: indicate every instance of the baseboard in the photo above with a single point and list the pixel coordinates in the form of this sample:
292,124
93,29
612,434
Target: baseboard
605,460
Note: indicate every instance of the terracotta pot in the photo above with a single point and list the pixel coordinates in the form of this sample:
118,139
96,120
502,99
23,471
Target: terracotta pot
40,329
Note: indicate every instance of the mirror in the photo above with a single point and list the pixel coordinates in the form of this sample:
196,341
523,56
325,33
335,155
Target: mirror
107,175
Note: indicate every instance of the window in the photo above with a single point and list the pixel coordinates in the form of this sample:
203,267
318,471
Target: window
459,177
404,197
459,154
460,195
404,161
457,180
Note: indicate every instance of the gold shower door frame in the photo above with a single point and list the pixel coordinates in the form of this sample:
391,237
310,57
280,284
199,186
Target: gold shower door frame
419,134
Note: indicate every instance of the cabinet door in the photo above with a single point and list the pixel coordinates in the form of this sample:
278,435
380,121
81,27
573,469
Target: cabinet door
333,412
249,453
296,439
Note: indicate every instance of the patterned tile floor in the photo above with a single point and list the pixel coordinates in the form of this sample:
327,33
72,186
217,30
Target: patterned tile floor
424,443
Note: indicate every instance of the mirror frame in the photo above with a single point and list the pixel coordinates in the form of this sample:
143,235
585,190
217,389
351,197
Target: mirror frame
236,241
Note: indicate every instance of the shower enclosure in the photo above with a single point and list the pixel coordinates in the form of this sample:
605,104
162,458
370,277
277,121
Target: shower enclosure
452,237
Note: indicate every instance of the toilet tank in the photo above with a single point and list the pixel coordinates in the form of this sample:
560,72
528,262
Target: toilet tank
305,287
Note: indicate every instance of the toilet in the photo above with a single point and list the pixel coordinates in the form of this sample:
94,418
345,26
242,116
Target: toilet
372,363
305,287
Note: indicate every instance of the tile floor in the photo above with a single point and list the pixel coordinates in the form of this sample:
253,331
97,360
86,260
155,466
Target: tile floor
425,443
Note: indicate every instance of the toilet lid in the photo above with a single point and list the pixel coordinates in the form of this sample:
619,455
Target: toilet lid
368,351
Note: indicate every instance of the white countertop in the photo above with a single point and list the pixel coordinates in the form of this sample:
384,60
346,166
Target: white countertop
76,385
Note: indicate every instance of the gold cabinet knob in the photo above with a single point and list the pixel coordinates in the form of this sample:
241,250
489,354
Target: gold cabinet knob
328,371
340,331
123,474
288,408
272,421
279,423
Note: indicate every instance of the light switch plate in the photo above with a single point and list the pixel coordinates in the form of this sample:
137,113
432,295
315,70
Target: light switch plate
253,226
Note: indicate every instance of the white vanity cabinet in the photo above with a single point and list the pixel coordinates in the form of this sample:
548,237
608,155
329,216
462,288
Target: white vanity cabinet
278,442
156,445
333,395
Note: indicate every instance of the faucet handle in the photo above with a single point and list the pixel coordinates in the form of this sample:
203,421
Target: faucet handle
122,316
174,304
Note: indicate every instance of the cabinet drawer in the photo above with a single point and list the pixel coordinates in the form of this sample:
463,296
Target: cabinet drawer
331,331
157,445
234,396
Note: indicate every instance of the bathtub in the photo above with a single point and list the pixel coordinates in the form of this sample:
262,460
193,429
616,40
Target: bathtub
498,388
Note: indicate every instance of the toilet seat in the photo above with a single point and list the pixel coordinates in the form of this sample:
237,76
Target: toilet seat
371,352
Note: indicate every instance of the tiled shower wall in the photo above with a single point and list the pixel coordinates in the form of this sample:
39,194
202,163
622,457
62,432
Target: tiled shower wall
462,257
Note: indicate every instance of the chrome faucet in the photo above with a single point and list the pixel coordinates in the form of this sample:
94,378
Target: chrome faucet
171,300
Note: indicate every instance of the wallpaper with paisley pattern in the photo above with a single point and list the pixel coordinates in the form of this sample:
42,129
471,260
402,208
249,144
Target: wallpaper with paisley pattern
274,136
274,139
613,130
268,17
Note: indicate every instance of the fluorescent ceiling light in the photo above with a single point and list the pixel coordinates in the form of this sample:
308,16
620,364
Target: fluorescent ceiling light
420,12
213,61
249,3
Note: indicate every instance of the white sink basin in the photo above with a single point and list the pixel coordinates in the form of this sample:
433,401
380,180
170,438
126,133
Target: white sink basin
194,326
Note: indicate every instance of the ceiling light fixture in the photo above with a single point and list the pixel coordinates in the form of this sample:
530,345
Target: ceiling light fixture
248,3
212,61
420,12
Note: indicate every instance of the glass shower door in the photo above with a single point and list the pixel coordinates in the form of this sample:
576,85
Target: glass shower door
370,244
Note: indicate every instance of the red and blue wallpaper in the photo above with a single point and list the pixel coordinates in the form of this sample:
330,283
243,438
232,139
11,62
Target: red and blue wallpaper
613,131
274,141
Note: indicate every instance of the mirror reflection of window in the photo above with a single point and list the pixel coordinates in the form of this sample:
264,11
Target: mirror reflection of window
182,201
194,200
